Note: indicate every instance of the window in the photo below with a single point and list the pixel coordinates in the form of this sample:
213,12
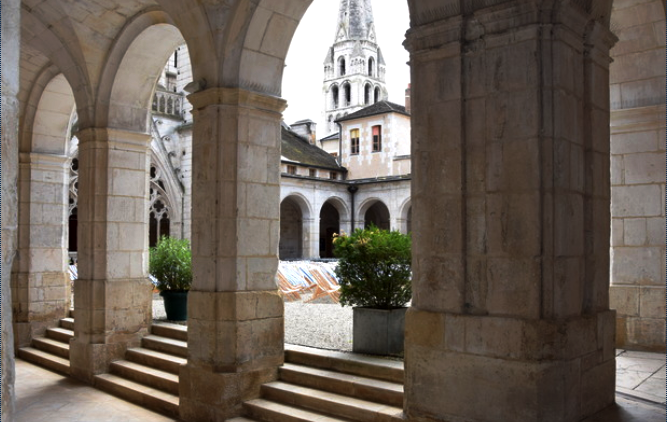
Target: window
341,66
312,173
367,94
377,138
334,96
333,175
371,67
291,169
347,90
354,141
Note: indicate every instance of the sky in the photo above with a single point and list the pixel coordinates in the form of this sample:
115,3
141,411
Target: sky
304,67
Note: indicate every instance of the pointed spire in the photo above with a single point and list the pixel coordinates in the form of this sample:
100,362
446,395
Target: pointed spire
355,20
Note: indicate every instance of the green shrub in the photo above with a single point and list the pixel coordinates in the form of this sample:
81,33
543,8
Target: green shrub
171,264
374,268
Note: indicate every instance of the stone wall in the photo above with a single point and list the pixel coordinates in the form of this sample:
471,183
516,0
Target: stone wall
10,36
638,226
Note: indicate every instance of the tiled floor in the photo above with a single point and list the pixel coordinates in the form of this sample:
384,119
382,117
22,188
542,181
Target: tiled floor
641,374
44,396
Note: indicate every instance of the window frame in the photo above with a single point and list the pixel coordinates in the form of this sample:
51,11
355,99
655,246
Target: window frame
354,142
377,139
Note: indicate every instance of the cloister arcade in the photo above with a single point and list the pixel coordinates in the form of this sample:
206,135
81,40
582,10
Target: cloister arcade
509,211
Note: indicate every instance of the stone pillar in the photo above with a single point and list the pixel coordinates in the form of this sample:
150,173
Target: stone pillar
112,295
510,317
311,238
41,286
10,37
235,315
638,226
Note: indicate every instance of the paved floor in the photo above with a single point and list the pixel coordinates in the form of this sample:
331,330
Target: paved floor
44,396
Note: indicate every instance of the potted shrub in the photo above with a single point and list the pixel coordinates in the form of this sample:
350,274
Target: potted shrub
374,273
170,263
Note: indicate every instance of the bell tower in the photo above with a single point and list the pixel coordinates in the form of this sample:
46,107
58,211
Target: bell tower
354,69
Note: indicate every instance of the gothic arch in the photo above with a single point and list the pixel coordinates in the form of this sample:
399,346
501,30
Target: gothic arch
125,100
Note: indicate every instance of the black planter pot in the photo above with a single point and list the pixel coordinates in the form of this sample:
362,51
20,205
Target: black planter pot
175,304
378,331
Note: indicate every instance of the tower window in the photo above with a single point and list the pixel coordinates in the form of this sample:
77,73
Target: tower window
341,66
371,67
377,138
348,94
368,89
377,94
334,95
354,141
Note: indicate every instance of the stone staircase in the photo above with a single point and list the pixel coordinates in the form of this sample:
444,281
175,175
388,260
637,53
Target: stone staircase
326,386
313,385
149,374
51,350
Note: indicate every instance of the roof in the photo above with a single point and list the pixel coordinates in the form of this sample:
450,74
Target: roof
300,122
380,107
299,150
333,137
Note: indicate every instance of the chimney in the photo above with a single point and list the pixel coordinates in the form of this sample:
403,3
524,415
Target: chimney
306,129
407,98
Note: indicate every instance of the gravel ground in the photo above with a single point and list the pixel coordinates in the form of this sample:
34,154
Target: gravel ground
321,325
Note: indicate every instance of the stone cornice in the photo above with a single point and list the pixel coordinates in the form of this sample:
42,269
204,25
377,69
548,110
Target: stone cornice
237,97
634,119
43,160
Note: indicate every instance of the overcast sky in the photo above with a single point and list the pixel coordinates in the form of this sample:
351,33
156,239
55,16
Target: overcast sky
304,71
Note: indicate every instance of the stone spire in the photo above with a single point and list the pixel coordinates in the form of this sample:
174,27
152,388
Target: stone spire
354,69
355,20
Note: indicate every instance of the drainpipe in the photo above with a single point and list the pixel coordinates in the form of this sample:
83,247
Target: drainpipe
340,144
352,189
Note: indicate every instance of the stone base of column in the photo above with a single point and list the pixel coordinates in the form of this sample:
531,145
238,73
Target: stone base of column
640,316
496,369
111,316
40,300
235,344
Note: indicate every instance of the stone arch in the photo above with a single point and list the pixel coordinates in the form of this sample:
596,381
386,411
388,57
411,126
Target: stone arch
335,96
125,100
405,211
374,210
294,213
332,215
342,66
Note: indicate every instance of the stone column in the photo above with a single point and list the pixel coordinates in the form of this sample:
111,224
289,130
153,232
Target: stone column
311,238
41,286
510,316
10,37
638,226
235,315
112,295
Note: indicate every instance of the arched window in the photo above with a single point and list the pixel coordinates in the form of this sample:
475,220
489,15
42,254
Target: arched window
334,96
163,104
368,89
377,94
347,91
371,67
341,66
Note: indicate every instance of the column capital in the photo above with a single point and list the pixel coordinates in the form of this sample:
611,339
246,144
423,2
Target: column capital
237,97
126,140
43,160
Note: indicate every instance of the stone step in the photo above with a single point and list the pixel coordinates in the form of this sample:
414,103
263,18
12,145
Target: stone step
52,346
45,360
67,323
142,395
166,345
385,369
169,330
269,411
71,313
61,334
363,388
330,403
154,359
145,375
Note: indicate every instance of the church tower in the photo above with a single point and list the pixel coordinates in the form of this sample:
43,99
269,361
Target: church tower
354,69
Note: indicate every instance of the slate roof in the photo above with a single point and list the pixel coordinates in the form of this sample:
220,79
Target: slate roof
299,150
380,107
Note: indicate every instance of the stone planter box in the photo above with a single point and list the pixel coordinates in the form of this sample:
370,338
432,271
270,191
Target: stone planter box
378,331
